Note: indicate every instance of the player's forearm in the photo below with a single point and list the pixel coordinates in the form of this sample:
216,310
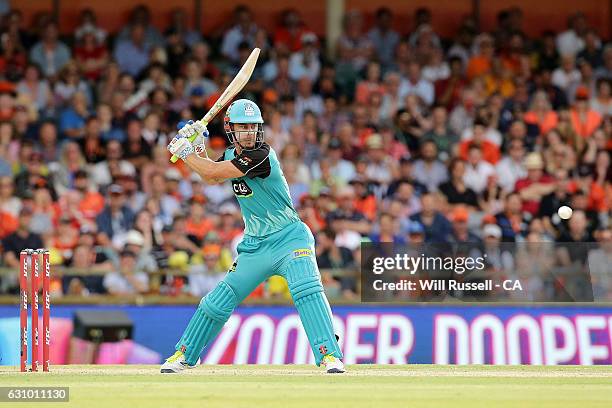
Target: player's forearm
205,168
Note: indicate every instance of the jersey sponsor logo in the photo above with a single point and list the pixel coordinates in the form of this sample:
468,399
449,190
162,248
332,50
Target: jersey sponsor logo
323,350
298,253
245,161
241,189
233,268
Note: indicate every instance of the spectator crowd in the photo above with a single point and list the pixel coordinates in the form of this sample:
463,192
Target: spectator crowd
401,137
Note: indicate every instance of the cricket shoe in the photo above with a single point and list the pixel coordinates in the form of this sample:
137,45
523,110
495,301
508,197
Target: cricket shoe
332,364
176,363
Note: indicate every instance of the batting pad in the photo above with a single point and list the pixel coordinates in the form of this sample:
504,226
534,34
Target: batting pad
208,320
312,306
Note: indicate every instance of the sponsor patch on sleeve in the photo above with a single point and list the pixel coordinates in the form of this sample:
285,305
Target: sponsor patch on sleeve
298,253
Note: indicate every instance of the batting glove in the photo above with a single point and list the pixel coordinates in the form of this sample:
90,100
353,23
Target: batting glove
181,147
196,132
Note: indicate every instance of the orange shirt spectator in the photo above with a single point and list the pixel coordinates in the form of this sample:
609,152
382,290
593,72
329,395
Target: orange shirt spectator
66,235
91,204
541,113
8,224
597,200
367,206
584,119
584,125
196,224
490,152
371,84
481,63
478,66
545,121
198,228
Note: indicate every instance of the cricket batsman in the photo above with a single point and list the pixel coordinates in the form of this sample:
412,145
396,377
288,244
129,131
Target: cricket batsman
276,241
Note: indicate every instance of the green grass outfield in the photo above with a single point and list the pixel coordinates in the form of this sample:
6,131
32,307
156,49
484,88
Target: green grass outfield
308,386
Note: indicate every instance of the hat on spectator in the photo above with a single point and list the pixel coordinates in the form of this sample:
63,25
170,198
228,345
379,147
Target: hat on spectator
87,229
211,250
197,199
345,191
492,230
406,160
415,228
460,214
309,38
211,236
362,158
358,180
179,260
125,176
374,141
325,192
134,238
197,91
173,174
534,161
115,189
334,144
129,171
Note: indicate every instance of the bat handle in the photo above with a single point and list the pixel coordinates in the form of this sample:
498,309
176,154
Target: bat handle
175,158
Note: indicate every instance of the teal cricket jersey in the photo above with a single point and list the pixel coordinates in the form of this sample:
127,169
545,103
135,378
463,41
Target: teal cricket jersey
263,193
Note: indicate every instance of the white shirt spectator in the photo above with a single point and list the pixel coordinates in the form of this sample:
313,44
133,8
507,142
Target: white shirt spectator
508,172
423,89
202,282
348,239
384,44
117,283
599,265
431,175
298,68
568,42
313,103
433,73
100,173
564,79
380,172
343,169
476,177
604,109
233,37
12,206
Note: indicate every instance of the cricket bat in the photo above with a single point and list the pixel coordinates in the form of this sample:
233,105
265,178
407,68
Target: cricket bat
230,92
